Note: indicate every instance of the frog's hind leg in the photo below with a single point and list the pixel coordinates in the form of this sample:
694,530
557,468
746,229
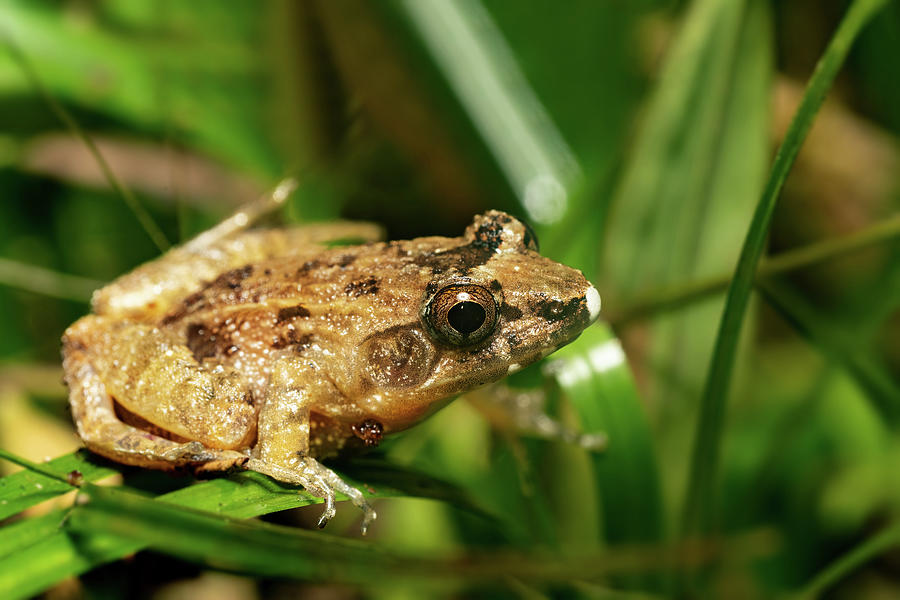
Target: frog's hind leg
151,290
103,433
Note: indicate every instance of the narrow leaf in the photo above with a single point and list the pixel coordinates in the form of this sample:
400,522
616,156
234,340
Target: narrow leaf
698,507
27,488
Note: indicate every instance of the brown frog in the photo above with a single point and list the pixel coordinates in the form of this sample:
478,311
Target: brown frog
268,350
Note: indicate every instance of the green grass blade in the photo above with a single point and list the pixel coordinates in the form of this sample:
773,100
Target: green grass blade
483,74
27,566
55,555
698,506
693,177
16,537
658,302
46,282
161,61
266,549
254,546
595,376
877,544
838,345
27,488
677,196
596,379
156,234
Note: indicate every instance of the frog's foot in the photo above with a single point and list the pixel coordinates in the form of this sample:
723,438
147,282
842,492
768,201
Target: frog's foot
524,412
319,481
210,459
124,443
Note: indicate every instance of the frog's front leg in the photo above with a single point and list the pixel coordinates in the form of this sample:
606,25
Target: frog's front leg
282,448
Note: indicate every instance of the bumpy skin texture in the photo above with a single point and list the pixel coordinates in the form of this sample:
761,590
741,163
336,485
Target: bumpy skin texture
267,350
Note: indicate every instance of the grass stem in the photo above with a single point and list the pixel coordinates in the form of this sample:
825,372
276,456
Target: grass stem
698,515
146,221
853,559
662,301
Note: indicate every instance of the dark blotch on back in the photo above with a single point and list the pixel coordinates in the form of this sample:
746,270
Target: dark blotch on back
232,279
462,258
202,342
292,312
361,287
308,266
193,302
346,260
294,339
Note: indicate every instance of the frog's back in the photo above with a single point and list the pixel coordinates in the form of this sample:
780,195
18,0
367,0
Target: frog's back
154,289
323,303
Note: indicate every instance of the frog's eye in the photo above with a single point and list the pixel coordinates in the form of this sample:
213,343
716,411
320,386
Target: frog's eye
461,314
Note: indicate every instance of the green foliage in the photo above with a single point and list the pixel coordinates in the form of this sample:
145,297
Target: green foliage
635,138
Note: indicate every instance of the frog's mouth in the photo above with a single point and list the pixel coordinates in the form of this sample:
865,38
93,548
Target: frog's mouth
553,324
548,324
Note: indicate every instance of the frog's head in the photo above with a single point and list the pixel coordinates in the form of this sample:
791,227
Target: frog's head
489,305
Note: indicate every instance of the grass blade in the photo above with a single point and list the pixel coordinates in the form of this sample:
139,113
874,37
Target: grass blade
593,372
146,220
30,564
695,173
698,507
27,488
219,540
837,345
482,72
840,568
666,222
654,303
20,535
272,550
595,377
46,282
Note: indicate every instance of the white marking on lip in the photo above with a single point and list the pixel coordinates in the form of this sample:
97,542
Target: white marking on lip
513,368
592,297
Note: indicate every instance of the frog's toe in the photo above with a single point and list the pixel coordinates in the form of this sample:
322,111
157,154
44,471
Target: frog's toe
186,452
225,460
358,500
369,515
196,452
329,511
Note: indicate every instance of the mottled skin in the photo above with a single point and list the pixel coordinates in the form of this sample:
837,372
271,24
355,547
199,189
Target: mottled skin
268,350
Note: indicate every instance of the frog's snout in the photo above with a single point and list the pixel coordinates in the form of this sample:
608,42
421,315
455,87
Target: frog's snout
592,299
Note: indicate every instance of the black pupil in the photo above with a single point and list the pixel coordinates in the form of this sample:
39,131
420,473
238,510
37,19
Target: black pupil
466,317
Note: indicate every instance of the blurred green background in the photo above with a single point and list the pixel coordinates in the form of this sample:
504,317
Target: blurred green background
635,136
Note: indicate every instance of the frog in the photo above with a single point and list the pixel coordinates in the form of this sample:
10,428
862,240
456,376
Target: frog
272,349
